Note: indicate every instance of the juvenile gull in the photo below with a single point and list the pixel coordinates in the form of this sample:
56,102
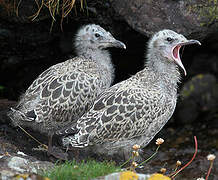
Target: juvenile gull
135,110
65,91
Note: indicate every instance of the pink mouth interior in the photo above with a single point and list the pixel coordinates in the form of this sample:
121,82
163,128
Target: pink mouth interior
176,57
176,52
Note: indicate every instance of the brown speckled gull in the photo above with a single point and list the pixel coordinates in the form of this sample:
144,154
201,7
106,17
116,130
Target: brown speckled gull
65,91
135,110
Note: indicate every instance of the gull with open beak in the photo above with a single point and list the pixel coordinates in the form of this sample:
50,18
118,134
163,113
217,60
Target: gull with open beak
135,110
170,46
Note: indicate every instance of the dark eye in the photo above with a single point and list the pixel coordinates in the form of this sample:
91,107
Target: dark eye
169,39
97,35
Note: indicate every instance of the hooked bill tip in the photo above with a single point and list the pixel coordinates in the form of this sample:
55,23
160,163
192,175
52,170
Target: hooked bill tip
192,41
118,44
121,44
195,42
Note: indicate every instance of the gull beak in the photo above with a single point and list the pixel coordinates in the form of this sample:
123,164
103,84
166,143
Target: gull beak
192,41
176,55
111,42
118,44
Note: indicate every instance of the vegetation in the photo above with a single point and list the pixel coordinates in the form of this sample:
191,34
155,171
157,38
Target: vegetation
81,171
208,10
55,7
2,88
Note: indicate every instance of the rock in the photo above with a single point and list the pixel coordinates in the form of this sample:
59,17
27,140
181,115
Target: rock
199,96
13,160
12,165
204,62
18,164
5,105
190,18
187,112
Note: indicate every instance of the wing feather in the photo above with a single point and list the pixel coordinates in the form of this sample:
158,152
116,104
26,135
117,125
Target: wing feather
68,85
122,112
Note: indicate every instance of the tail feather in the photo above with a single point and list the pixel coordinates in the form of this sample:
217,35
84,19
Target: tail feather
17,116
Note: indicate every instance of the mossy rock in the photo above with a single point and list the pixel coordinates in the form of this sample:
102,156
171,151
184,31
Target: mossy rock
198,96
197,85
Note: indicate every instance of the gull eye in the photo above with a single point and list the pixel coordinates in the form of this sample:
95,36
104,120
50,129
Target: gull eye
97,35
169,39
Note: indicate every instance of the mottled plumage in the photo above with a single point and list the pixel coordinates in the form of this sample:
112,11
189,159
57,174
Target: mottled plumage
135,110
65,91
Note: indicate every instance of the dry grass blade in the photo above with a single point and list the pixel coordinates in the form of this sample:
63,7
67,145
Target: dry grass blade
43,145
52,6
67,7
56,6
34,16
16,7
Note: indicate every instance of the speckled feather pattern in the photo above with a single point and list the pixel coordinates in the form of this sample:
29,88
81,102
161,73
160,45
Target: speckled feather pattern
125,112
65,91
132,111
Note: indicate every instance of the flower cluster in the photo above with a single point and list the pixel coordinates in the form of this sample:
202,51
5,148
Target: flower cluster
135,154
159,141
211,157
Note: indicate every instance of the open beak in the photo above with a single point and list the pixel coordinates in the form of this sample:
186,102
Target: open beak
176,55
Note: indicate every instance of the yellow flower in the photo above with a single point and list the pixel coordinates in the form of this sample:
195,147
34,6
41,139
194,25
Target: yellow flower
159,141
128,175
158,176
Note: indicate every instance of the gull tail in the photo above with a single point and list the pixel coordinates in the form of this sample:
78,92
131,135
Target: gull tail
17,116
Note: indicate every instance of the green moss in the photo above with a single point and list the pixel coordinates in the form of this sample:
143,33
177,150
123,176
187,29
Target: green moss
208,11
200,76
81,171
2,88
188,91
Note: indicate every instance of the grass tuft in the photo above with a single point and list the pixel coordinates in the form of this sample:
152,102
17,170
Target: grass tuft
81,171
60,8
57,7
